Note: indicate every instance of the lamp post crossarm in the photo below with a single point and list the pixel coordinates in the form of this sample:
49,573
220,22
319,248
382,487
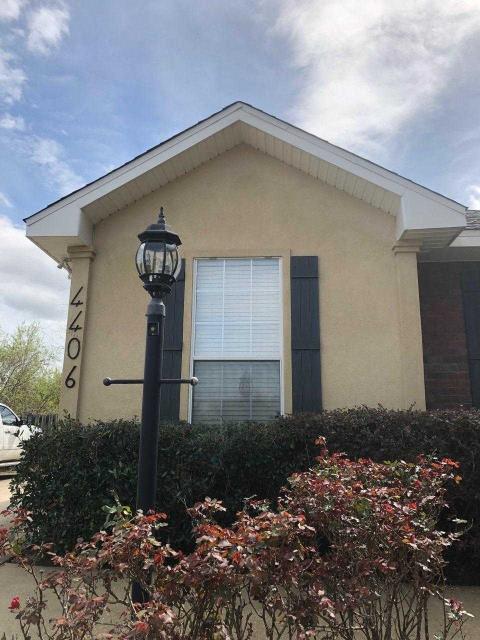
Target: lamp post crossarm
192,381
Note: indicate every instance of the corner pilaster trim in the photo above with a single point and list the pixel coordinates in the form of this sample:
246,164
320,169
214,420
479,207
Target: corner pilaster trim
82,251
407,246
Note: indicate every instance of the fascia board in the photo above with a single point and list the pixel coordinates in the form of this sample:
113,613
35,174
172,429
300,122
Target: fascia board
421,211
418,213
148,161
74,224
342,158
421,208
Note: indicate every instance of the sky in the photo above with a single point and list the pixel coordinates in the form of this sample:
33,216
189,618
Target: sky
85,85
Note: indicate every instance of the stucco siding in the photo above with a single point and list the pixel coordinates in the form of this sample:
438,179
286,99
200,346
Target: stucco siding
245,203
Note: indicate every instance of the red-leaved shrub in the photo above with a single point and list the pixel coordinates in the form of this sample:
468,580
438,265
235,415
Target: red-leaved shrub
351,551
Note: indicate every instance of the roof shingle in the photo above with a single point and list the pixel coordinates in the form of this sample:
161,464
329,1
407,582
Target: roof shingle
473,219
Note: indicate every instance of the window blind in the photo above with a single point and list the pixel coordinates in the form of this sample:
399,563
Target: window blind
238,309
237,341
236,391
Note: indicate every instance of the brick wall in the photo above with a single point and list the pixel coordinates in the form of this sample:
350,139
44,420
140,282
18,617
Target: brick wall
447,378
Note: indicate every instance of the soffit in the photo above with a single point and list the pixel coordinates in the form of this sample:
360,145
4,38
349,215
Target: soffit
421,214
226,139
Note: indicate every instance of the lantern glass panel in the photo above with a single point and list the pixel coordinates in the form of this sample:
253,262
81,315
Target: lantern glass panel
175,259
154,258
158,258
139,259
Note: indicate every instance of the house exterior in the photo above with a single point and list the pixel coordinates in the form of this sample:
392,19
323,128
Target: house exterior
312,278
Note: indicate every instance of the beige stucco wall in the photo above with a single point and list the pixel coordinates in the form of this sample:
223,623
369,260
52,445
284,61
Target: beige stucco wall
244,203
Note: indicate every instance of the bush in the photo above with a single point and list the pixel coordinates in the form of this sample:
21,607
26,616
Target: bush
68,472
351,550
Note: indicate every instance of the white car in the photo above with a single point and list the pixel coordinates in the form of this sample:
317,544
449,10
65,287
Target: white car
12,433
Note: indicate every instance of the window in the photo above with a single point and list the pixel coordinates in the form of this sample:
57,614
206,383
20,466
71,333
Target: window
8,417
237,340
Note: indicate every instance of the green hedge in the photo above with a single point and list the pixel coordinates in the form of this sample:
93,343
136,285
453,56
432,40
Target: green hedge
68,472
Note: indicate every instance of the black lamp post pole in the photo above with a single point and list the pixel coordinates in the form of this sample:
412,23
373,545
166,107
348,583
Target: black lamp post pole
148,453
158,265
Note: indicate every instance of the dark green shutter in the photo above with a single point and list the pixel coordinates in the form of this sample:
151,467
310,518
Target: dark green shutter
471,310
305,315
172,353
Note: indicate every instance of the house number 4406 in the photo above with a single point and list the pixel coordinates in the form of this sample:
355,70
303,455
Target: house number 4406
74,344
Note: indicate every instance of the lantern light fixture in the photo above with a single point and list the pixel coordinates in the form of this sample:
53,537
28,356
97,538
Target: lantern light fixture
158,260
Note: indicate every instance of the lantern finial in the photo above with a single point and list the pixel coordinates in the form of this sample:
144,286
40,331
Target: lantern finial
161,219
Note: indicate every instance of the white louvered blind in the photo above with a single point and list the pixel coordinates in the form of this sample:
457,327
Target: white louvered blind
236,391
237,345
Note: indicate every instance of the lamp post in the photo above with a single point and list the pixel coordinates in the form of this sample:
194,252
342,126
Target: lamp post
158,265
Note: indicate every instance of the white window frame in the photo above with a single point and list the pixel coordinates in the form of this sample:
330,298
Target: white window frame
237,359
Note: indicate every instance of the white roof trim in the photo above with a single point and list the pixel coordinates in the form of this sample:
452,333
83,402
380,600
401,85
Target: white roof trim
417,208
143,163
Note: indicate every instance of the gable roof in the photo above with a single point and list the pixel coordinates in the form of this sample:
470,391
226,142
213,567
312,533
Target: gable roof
422,215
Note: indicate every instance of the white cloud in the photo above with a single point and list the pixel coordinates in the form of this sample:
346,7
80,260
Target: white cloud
7,121
474,196
4,200
12,78
46,27
10,9
49,154
367,68
31,286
